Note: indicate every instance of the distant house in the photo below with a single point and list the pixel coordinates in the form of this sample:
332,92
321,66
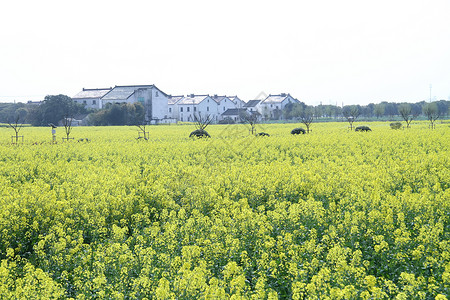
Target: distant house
36,103
223,103
236,114
233,114
238,103
272,107
196,104
91,98
154,100
253,105
172,106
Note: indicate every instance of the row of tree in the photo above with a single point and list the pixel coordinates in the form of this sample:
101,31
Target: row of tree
384,110
60,108
54,109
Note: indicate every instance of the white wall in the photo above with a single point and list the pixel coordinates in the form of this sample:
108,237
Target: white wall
159,105
89,102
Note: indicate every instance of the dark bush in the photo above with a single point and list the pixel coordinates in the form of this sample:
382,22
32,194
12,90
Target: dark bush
199,133
396,125
262,134
363,128
298,131
227,121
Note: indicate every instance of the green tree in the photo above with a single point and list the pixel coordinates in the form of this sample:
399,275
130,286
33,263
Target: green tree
351,113
431,111
378,110
53,109
405,110
307,117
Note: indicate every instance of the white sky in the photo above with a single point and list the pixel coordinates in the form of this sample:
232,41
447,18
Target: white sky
351,51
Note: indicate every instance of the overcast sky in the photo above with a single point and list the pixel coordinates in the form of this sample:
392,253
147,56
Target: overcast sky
348,51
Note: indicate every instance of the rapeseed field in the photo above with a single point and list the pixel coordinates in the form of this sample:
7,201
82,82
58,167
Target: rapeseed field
333,214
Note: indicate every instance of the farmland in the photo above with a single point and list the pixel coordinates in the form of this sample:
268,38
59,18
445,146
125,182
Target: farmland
332,213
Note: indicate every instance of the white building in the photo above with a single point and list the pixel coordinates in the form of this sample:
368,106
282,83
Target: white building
91,98
223,104
172,106
154,100
273,105
238,103
253,105
196,104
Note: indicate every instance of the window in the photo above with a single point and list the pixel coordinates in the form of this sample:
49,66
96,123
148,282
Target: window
84,102
156,94
224,108
94,102
195,108
188,108
181,109
271,105
170,109
207,108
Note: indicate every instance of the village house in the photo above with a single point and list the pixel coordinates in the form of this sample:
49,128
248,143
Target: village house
154,100
236,114
91,98
253,105
172,106
197,105
272,107
238,103
223,103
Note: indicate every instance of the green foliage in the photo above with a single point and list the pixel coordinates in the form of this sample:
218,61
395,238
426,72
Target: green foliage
119,114
54,109
199,133
396,125
363,128
298,130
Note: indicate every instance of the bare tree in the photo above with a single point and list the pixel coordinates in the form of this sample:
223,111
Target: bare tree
67,121
16,125
307,117
251,119
351,113
405,110
431,111
201,122
143,133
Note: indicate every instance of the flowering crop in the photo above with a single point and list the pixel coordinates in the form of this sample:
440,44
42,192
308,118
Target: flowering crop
330,214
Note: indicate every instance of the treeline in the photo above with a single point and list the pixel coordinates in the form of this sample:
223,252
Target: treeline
55,108
383,110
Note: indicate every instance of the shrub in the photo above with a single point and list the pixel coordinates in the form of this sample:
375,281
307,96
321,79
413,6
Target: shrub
396,125
262,134
298,131
363,128
227,121
199,133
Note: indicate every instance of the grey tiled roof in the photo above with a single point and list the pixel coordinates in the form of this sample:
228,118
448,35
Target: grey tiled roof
91,93
278,98
252,103
218,99
275,98
174,99
192,99
233,111
124,92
